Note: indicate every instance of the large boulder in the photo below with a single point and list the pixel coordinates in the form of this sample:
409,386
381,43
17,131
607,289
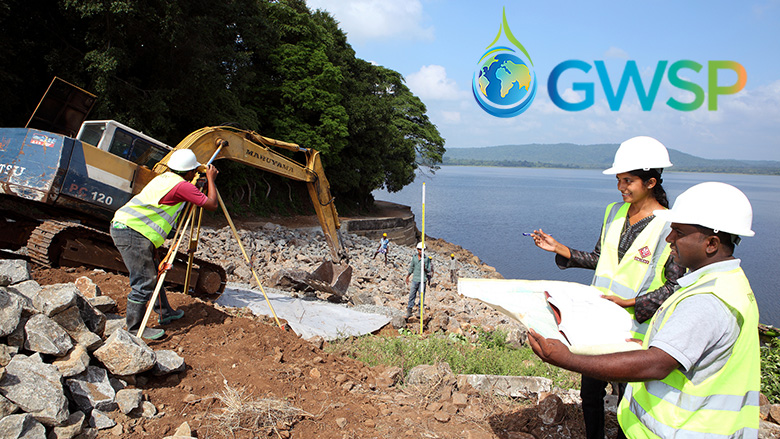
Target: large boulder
10,312
21,426
36,388
16,270
53,299
44,335
91,389
125,354
70,320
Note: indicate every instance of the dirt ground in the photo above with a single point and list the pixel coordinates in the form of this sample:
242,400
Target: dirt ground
238,360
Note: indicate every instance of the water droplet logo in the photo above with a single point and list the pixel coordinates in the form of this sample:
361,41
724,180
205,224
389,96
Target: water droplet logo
504,82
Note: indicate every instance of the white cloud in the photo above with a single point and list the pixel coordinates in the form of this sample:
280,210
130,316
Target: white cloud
616,52
451,116
431,82
365,20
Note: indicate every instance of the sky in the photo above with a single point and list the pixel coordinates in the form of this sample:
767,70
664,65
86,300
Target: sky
437,45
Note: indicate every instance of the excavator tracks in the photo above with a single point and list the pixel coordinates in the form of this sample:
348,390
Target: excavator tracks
62,243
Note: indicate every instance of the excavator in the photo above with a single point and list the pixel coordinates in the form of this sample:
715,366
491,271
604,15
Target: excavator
62,178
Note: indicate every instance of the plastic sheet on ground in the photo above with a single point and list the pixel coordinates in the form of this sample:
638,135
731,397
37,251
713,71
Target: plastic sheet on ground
308,318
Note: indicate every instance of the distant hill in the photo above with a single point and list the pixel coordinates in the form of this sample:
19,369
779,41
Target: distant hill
569,155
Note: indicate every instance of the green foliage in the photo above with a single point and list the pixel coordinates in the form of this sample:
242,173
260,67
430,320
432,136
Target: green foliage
168,68
770,371
488,355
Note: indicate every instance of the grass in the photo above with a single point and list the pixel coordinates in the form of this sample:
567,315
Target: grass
488,355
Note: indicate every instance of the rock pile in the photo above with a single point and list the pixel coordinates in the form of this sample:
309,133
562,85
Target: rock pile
66,362
282,257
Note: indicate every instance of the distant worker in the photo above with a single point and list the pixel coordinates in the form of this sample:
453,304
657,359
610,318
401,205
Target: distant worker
631,259
453,269
415,270
698,372
383,247
141,226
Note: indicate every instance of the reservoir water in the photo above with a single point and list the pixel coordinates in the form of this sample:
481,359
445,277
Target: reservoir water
486,210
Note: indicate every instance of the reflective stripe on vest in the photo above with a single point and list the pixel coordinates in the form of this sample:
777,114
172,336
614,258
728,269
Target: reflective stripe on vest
143,213
724,405
642,267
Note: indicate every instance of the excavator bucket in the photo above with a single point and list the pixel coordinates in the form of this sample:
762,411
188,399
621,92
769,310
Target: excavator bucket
331,278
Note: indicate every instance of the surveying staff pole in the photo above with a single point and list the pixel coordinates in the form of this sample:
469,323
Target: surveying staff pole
422,261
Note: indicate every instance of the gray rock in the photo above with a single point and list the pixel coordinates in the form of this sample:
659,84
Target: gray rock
53,299
94,319
511,386
36,388
87,287
168,362
125,354
88,433
72,363
10,312
129,400
149,410
71,428
104,304
7,407
17,270
427,375
91,389
290,279
100,421
22,426
114,322
16,338
44,335
70,320
28,290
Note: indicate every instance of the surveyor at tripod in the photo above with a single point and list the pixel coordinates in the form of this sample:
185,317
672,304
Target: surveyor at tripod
141,226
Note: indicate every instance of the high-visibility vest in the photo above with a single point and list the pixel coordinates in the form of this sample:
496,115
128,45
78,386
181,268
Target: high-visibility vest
724,405
642,267
143,213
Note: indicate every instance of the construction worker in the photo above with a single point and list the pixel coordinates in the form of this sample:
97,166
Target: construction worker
383,247
453,269
141,225
631,259
698,374
415,270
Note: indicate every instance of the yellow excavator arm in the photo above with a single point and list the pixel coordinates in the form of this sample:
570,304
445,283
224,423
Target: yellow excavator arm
254,150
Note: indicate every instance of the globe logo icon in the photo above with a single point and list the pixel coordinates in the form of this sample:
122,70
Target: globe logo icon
504,83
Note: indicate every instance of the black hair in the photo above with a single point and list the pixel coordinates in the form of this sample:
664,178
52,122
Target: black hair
180,173
658,191
728,239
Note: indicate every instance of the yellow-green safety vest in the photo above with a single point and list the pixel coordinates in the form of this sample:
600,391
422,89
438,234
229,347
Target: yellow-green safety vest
143,213
642,267
724,405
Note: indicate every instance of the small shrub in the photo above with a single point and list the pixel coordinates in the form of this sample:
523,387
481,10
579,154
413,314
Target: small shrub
770,371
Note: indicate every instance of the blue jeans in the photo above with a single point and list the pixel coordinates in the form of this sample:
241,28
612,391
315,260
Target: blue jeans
138,255
415,287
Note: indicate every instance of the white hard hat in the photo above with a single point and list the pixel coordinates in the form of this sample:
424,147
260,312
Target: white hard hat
639,152
718,206
183,160
419,246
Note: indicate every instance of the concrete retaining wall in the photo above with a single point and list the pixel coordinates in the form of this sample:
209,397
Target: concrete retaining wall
401,230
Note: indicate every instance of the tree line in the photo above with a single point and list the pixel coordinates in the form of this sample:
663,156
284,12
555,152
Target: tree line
169,67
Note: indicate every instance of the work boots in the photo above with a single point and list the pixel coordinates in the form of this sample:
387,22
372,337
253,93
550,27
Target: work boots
166,312
135,314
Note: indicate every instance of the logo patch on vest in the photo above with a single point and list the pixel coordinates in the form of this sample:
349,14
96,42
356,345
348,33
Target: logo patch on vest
644,252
